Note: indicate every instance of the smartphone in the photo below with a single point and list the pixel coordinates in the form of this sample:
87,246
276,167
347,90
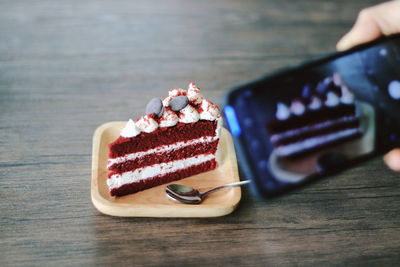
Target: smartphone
318,118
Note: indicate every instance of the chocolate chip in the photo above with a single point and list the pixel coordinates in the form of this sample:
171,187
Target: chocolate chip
321,88
306,93
179,102
155,106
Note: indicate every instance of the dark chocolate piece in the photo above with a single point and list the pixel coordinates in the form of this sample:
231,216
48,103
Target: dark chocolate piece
155,107
179,102
306,93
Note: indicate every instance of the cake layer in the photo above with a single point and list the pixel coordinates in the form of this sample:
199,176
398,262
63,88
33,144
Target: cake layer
172,152
162,148
295,135
317,142
311,117
162,136
116,180
140,185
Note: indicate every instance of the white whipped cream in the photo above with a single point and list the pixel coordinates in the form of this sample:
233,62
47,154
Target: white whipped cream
332,99
188,115
394,89
168,119
209,111
130,129
171,94
176,92
347,96
315,103
327,80
193,93
297,107
166,101
147,124
337,79
282,112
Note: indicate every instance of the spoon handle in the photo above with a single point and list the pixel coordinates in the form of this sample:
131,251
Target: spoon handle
224,186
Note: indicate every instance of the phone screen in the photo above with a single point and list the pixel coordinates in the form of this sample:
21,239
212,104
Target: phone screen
318,118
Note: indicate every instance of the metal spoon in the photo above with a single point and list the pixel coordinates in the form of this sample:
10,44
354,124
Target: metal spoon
190,195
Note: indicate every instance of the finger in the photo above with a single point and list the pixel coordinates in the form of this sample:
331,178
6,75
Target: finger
364,30
392,159
383,19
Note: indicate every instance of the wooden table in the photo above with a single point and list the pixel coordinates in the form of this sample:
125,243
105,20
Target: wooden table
68,66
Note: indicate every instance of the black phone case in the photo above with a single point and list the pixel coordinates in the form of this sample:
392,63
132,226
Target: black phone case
367,66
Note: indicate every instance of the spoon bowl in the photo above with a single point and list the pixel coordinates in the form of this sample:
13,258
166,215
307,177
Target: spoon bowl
189,195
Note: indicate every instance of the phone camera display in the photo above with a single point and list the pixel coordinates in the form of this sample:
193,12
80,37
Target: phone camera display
320,118
318,130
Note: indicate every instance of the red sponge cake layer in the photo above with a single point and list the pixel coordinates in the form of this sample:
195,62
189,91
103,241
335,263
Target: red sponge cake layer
162,136
159,157
162,179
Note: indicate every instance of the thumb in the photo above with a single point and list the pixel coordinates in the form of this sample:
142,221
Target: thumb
372,22
392,159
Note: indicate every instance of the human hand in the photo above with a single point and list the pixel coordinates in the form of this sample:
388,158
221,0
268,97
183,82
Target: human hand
392,159
373,22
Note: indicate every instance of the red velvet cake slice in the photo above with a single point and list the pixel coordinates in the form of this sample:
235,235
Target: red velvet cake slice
177,138
327,117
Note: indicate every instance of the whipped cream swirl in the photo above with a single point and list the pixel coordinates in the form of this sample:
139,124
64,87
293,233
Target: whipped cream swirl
177,92
282,112
315,103
168,119
347,96
297,107
209,111
193,94
147,124
332,99
130,129
188,115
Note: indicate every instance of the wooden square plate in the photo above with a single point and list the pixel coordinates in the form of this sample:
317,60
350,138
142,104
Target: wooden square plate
153,202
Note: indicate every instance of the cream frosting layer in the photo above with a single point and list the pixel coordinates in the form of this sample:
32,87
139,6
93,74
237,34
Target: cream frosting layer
161,149
118,180
314,142
309,128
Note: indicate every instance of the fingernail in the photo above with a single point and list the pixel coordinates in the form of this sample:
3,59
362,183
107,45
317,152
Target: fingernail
343,43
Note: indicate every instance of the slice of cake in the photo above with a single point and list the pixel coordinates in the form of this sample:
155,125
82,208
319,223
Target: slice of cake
177,138
324,117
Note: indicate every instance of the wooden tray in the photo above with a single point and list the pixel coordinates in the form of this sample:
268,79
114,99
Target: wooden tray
153,202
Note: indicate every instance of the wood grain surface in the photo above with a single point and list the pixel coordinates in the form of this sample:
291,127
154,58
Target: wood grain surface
66,67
